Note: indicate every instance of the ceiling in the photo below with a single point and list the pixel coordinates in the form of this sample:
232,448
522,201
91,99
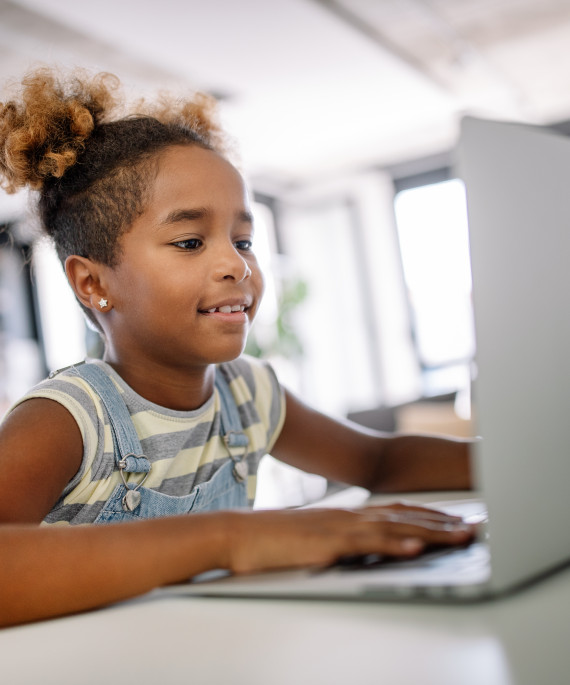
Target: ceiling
315,88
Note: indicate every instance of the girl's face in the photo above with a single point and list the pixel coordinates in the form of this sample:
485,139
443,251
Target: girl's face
188,284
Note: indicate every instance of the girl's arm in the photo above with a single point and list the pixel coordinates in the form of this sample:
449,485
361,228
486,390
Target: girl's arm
41,449
47,572
346,452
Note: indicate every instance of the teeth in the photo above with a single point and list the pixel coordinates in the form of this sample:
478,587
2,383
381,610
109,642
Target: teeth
227,309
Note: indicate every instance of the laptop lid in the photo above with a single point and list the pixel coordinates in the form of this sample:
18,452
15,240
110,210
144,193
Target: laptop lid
518,198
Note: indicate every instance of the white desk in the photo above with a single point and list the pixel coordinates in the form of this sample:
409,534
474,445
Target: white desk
158,640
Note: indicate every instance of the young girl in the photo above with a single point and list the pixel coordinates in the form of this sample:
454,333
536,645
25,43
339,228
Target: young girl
153,226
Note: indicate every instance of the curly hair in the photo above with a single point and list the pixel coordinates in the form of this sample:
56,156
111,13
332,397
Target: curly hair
92,165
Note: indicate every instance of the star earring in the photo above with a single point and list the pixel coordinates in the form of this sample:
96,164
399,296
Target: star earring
102,303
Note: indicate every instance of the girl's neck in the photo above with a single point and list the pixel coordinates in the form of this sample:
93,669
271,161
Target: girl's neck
181,389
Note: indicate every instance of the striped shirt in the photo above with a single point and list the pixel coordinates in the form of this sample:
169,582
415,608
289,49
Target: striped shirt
185,448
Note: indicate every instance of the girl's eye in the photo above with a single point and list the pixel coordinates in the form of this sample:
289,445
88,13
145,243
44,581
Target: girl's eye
189,243
244,245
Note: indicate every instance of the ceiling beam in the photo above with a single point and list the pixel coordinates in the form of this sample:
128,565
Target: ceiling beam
356,22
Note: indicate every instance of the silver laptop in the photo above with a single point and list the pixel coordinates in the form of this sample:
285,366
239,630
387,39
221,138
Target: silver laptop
518,194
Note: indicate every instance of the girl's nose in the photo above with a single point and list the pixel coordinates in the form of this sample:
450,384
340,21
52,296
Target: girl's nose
232,265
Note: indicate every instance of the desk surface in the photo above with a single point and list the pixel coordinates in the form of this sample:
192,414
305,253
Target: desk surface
158,639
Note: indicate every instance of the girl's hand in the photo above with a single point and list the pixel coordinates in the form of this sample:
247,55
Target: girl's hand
263,540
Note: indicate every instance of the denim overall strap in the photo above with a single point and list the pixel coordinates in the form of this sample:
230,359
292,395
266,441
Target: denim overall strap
231,427
128,450
230,418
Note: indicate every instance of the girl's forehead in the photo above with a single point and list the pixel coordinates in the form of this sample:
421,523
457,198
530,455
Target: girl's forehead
197,164
192,176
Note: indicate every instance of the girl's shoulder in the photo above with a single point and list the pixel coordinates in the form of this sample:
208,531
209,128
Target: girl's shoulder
73,393
70,390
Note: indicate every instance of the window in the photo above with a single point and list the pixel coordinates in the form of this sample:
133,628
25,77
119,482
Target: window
340,238
432,230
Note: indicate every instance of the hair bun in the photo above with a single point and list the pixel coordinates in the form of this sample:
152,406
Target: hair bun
43,130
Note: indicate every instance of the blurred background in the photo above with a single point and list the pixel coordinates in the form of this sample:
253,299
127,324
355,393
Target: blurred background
345,113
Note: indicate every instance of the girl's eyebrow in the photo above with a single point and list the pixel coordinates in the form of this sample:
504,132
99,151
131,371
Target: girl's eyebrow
198,213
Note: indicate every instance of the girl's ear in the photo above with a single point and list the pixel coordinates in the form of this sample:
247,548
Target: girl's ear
84,276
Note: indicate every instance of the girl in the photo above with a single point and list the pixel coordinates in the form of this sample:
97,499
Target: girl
153,226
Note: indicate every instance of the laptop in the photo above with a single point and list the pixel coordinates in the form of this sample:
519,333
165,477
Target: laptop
517,180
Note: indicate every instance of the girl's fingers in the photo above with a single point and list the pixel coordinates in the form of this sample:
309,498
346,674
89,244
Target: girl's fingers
427,528
430,533
406,539
414,512
428,519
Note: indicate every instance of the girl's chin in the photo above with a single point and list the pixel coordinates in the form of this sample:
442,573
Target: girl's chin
229,354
